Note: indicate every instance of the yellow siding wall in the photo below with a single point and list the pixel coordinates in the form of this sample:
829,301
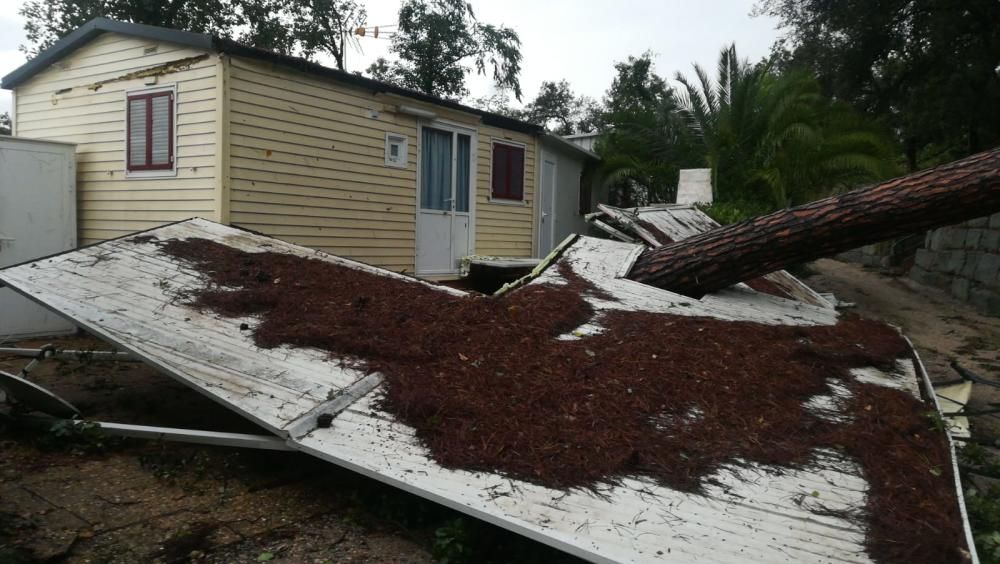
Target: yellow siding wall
504,229
111,205
307,164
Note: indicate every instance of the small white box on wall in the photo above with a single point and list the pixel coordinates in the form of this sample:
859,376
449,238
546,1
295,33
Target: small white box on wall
395,150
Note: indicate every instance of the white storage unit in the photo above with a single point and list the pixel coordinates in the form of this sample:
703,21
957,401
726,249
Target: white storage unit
37,218
561,166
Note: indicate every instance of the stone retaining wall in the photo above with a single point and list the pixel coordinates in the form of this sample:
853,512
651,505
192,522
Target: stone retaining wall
963,259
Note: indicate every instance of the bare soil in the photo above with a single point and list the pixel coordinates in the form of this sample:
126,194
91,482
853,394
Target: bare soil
942,328
144,501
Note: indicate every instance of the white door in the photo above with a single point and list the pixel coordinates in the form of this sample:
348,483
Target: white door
37,218
444,211
546,205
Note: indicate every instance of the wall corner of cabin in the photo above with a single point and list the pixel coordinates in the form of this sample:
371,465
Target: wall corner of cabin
222,140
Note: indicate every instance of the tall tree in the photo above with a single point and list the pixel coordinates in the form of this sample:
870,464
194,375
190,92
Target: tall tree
436,42
926,68
48,20
773,137
302,27
644,142
718,258
5,125
327,26
555,107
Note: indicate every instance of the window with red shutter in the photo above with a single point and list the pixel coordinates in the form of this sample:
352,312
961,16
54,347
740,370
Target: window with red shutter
508,172
149,137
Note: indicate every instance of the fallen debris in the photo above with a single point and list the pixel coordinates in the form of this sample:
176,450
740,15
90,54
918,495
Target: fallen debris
488,386
947,194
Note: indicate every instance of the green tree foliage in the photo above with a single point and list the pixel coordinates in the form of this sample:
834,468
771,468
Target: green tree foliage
644,142
773,138
301,27
326,26
437,41
5,125
556,108
929,69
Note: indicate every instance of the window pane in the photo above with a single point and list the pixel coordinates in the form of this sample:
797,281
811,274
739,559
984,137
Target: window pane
161,130
462,174
435,170
516,173
137,132
500,166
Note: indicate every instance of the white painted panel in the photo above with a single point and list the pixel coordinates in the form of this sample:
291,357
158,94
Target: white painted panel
37,218
124,292
434,238
695,186
459,239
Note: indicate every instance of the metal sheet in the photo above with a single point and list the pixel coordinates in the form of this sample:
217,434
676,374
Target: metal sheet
681,221
125,292
36,397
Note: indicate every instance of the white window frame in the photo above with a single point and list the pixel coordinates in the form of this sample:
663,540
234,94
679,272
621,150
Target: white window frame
404,147
524,185
167,172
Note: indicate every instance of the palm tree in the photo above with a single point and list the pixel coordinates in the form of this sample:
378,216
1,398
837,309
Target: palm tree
775,137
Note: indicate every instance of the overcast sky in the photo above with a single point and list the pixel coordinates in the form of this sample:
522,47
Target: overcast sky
576,40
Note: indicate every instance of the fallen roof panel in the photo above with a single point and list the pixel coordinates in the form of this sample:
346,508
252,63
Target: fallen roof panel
129,294
680,221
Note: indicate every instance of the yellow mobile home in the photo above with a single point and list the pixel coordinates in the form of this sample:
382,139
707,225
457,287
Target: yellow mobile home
170,124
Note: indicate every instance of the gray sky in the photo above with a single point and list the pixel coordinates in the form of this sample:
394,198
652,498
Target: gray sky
561,39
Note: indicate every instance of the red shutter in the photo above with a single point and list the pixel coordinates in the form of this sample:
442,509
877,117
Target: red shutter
516,190
500,158
508,172
150,131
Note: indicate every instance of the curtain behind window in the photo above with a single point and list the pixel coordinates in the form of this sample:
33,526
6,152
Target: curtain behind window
462,174
435,170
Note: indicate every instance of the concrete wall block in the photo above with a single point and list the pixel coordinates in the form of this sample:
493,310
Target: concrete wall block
960,288
995,221
935,239
968,269
990,241
973,238
950,262
955,239
938,239
935,279
925,259
988,269
978,222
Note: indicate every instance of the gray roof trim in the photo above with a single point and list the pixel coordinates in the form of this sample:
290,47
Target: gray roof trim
97,26
309,67
564,143
92,29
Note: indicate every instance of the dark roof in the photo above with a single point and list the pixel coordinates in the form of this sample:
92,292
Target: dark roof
97,26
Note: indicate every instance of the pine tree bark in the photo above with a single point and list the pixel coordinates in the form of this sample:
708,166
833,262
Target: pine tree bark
951,193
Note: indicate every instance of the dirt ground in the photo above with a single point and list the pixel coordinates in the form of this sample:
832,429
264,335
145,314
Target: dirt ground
84,498
942,328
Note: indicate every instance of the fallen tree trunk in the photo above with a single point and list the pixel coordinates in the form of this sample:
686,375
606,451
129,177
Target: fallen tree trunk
717,259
